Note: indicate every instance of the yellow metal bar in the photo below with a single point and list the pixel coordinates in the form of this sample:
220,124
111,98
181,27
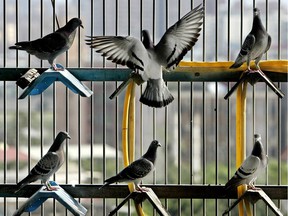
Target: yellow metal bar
241,142
131,126
128,134
280,66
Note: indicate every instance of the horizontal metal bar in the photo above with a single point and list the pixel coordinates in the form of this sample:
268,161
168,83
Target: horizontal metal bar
120,74
162,191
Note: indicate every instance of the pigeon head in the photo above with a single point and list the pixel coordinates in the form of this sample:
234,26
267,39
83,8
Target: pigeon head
146,40
258,147
256,12
73,24
151,152
60,138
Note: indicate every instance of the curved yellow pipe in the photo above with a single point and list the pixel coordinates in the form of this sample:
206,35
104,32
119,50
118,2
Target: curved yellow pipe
128,134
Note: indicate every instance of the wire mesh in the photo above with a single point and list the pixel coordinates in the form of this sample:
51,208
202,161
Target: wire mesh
197,130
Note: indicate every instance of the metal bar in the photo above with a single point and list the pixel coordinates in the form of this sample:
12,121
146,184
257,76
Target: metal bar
170,191
120,74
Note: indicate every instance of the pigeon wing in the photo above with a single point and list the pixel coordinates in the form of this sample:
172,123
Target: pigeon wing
47,165
180,38
245,173
248,167
247,45
49,44
269,43
127,51
136,170
245,51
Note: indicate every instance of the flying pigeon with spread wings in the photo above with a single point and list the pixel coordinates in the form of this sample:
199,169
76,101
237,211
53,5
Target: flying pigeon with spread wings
148,59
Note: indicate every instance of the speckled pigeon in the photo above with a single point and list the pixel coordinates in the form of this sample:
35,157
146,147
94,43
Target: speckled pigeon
51,45
48,164
257,42
137,169
148,59
250,168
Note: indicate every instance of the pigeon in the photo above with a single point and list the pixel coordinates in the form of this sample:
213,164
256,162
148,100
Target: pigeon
148,59
51,45
250,168
137,169
257,42
48,164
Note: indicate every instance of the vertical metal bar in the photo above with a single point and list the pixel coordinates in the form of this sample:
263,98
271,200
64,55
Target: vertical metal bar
279,102
279,143
216,104
179,142
104,130
191,142
179,125
103,101
166,120
228,101
228,141
266,136
266,110
5,138
204,116
204,141
216,143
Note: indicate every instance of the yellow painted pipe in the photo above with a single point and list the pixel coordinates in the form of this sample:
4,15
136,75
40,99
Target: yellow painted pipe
241,142
279,66
128,134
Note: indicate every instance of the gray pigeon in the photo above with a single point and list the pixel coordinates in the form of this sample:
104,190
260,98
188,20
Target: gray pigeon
51,45
250,168
149,59
257,42
137,169
48,164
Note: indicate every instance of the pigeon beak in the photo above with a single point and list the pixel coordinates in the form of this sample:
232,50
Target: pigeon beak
82,26
159,144
68,137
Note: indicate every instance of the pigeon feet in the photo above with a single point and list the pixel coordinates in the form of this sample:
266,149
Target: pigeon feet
58,67
252,187
51,188
142,189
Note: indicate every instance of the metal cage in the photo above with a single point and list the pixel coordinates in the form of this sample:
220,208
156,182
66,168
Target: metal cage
197,130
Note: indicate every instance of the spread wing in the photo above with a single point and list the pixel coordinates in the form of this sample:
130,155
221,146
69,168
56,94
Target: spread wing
127,51
180,38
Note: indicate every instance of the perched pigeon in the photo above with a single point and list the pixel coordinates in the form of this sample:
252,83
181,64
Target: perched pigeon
137,169
250,168
149,59
51,45
257,42
48,164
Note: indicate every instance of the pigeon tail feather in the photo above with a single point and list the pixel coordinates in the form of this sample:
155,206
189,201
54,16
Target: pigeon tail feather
111,180
156,94
233,183
237,64
28,179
